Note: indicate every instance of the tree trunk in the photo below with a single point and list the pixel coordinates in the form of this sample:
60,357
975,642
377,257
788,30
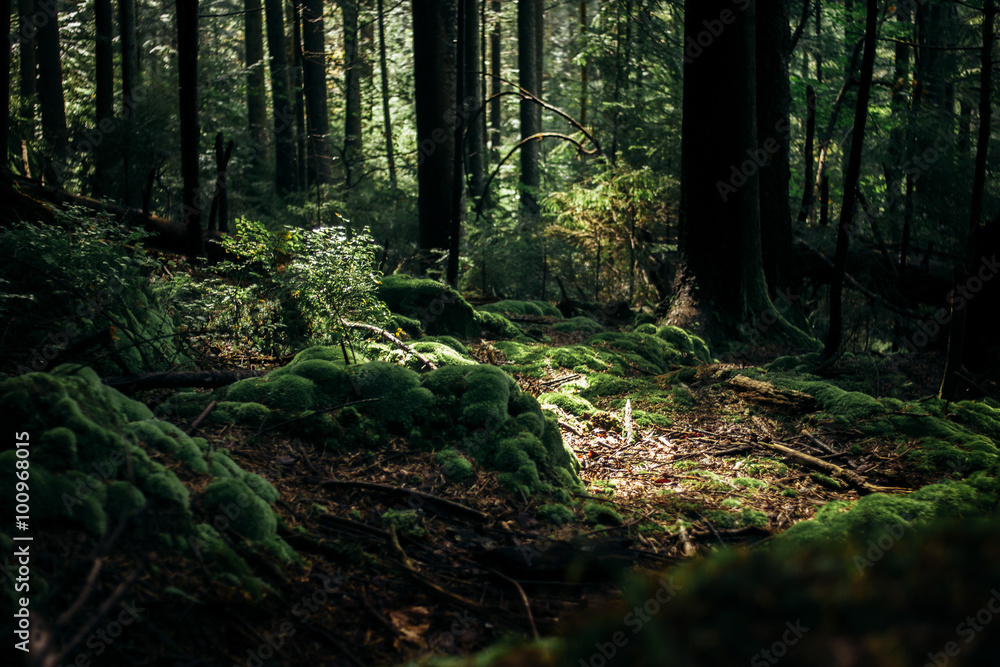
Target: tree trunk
719,285
808,187
957,331
353,145
472,101
531,113
218,217
461,122
105,94
584,75
846,227
130,51
285,176
434,58
495,66
5,80
50,97
187,67
299,94
314,80
29,69
386,114
773,133
253,40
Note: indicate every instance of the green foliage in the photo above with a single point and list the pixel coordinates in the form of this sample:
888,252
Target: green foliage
405,521
555,513
600,513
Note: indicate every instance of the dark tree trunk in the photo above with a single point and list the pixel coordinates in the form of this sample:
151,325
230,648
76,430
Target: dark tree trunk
29,68
959,311
130,51
844,230
105,94
584,74
50,98
495,106
475,138
773,133
5,80
720,280
253,39
299,94
353,145
808,187
314,80
434,57
386,115
285,176
187,67
458,173
528,59
218,218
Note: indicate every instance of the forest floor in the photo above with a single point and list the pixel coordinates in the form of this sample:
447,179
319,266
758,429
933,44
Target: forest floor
481,566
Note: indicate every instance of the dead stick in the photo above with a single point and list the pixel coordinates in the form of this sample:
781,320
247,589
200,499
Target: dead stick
401,491
524,599
204,413
851,478
389,337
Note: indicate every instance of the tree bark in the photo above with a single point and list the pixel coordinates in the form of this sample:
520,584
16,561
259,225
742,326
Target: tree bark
531,114
353,145
29,68
386,114
314,80
458,173
774,133
285,176
584,74
808,187
495,106
299,95
187,55
253,40
130,51
105,93
218,217
5,80
846,227
50,97
472,101
957,331
434,57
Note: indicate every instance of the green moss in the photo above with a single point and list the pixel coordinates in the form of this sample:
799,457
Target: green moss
571,403
579,323
528,308
440,354
242,509
599,513
497,325
331,382
123,499
405,521
438,308
555,513
458,469
693,348
450,341
407,325
263,488
750,482
168,439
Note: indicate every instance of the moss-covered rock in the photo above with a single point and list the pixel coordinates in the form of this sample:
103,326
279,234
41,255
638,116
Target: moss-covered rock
438,308
528,308
440,354
578,323
574,404
247,513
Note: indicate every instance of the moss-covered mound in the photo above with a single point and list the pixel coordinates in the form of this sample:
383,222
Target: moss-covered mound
925,599
97,456
438,308
578,323
530,308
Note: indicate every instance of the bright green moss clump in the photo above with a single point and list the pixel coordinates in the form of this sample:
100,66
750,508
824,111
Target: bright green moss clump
578,323
529,308
571,403
438,308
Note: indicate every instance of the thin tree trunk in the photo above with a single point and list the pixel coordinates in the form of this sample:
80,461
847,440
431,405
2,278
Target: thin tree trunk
299,94
253,41
285,176
314,79
458,173
5,80
844,230
495,106
29,68
187,55
959,311
105,93
531,113
130,51
386,114
218,217
472,101
584,74
808,187
50,98
353,145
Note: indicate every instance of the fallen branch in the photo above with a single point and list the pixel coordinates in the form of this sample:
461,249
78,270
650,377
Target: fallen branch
175,379
849,477
453,507
393,339
200,418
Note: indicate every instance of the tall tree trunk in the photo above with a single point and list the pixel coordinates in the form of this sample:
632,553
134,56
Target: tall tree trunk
105,94
50,97
584,74
458,173
434,59
187,67
819,37
130,51
314,80
959,311
719,285
472,102
352,91
808,187
495,66
299,94
773,132
5,80
253,41
844,230
285,176
386,114
29,68
531,113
